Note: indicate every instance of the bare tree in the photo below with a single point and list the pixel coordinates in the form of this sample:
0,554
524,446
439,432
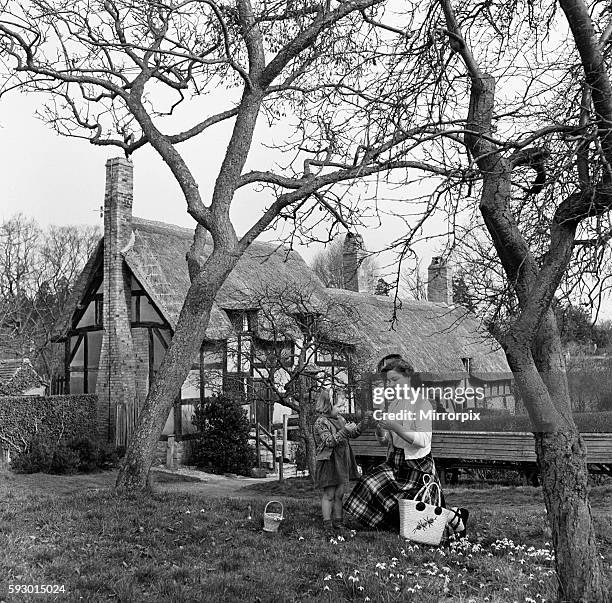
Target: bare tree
411,281
538,167
120,67
304,341
38,268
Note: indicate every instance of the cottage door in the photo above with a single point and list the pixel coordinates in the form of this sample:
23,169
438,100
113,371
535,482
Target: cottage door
263,405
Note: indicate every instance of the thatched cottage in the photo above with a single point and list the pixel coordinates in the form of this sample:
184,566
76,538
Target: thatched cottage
127,301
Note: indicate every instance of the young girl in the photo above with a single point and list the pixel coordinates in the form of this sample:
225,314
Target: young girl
336,464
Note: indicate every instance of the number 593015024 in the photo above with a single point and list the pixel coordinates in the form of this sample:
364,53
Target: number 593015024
36,589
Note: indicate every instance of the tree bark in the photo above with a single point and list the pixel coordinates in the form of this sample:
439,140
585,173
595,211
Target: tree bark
305,422
563,469
175,366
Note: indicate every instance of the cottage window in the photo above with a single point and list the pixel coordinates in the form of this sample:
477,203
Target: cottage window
144,311
83,362
243,321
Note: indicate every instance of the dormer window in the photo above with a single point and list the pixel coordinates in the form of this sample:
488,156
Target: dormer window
243,321
307,321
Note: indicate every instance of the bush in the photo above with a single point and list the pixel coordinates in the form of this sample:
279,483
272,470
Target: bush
80,455
93,455
36,458
64,460
222,443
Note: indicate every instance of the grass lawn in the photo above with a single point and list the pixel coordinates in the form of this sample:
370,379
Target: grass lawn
188,547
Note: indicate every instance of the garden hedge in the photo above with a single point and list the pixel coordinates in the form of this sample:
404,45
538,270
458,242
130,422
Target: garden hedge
51,418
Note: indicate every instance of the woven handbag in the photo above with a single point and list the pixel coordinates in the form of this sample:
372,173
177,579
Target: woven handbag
423,519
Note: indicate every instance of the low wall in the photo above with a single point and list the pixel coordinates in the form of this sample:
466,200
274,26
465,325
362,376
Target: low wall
178,452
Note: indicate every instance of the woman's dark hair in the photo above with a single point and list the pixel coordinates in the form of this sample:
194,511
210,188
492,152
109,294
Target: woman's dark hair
396,363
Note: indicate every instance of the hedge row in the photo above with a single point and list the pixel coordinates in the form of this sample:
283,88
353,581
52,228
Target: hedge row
49,418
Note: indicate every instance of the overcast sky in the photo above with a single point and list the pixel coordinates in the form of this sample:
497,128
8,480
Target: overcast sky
59,180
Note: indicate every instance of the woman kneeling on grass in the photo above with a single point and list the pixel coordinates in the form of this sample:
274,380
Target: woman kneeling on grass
373,500
336,464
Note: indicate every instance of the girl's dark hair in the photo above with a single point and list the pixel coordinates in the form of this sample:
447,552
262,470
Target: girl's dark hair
396,363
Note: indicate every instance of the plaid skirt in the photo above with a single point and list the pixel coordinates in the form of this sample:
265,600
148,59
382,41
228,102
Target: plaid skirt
373,501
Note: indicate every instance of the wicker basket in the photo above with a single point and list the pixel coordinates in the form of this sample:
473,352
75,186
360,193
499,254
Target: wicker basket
421,521
272,521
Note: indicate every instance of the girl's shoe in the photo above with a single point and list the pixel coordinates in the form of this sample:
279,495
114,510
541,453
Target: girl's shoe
328,529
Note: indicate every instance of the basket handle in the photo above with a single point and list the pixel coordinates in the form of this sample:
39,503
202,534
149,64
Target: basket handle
278,503
426,491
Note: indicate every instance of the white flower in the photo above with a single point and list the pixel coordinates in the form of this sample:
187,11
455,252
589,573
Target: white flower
381,566
339,575
340,538
328,577
301,538
353,578
367,599
326,587
360,587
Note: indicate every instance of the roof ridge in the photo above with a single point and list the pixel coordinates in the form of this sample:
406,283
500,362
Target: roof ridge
388,300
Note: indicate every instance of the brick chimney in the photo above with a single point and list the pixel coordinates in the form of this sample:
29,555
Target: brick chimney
354,269
116,387
440,282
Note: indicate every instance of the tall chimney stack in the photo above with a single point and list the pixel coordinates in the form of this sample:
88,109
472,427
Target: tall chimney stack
439,282
116,381
354,269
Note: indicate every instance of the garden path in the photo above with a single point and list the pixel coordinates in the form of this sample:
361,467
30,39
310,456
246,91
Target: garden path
185,481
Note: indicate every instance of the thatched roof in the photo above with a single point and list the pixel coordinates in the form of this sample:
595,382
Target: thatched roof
156,256
433,338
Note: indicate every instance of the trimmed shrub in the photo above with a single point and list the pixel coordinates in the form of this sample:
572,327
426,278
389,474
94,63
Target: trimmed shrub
48,418
222,443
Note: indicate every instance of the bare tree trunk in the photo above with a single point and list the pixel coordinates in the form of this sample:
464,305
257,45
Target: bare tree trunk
563,468
561,455
186,341
306,423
